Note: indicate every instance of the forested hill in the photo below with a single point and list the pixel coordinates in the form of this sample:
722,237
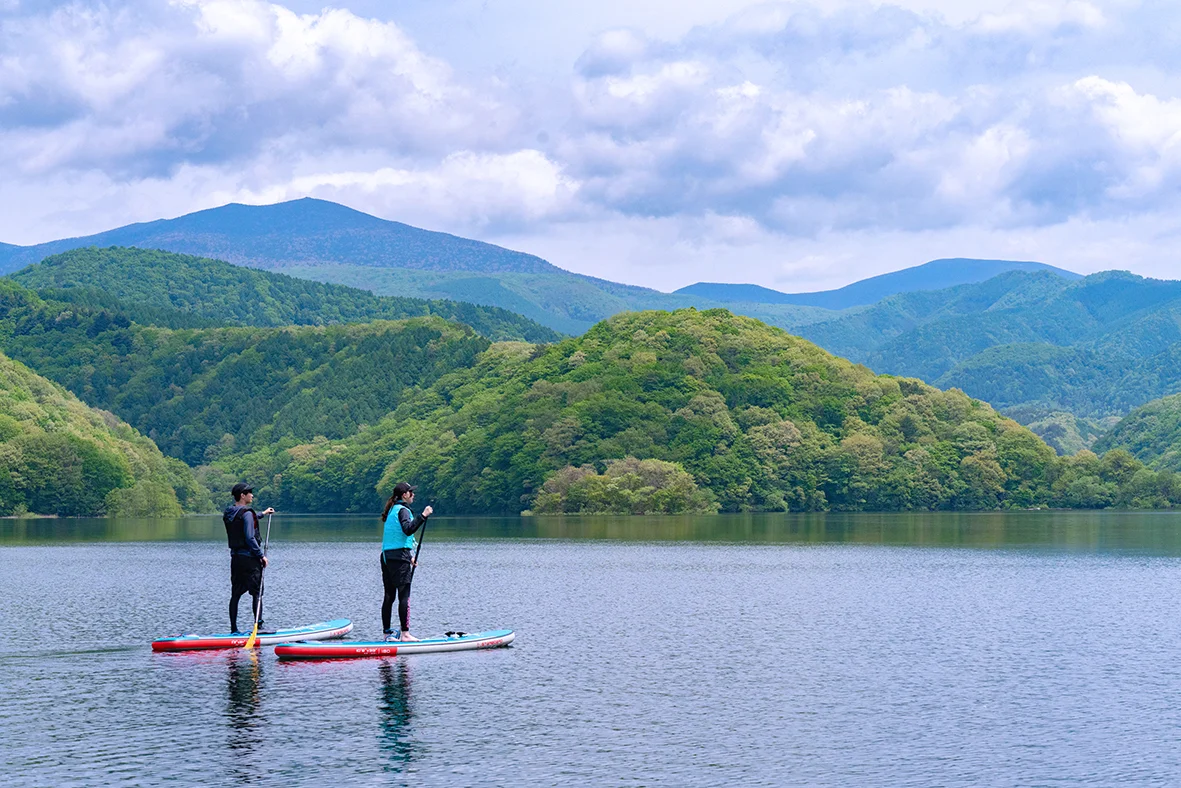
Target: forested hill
203,392
58,456
656,411
690,411
1151,433
1034,344
299,232
144,280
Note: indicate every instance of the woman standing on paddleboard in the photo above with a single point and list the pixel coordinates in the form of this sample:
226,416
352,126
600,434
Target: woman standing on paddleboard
397,557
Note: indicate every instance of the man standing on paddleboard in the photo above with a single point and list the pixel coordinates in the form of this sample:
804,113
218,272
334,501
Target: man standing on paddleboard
246,557
397,557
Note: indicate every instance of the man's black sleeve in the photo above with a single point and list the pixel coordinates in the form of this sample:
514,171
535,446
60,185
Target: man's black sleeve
248,523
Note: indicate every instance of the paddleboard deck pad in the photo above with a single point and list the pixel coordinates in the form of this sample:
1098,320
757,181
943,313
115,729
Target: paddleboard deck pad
393,648
325,630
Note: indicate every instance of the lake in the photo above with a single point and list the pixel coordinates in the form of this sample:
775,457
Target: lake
1031,648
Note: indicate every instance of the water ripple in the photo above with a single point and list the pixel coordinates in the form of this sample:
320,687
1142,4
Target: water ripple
636,664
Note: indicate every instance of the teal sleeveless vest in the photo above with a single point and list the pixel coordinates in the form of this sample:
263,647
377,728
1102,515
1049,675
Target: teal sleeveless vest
392,537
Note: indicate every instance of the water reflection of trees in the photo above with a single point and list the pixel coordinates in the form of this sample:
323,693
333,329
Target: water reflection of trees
396,712
243,679
1084,531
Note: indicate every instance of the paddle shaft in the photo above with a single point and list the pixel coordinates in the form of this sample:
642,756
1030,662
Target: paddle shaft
417,550
266,543
261,576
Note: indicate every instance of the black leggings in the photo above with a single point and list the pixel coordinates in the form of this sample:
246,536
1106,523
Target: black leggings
255,604
397,586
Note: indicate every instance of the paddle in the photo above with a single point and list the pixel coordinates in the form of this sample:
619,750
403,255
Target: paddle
417,550
258,609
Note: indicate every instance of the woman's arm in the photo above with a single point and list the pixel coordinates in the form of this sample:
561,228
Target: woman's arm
409,522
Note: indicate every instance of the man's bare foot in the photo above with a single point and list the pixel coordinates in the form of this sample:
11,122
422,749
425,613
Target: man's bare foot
407,636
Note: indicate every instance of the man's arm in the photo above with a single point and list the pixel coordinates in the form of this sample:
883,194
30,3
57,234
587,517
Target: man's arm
252,544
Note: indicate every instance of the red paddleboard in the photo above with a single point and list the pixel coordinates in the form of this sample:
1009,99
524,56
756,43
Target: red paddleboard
325,630
392,648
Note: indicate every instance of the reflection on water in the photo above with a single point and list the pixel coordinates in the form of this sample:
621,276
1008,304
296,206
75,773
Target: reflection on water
243,675
396,713
1089,531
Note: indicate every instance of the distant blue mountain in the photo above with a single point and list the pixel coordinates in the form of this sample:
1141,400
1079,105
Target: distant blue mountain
325,241
328,242
305,232
934,275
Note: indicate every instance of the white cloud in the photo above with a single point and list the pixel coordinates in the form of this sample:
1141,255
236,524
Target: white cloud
220,79
667,253
1144,123
466,189
1032,18
984,167
780,142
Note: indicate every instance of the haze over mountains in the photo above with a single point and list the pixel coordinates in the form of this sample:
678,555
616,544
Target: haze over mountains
934,275
325,241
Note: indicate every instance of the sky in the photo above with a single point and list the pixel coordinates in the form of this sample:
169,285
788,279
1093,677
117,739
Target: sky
796,145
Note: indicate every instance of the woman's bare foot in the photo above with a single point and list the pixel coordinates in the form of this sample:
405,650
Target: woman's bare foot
408,636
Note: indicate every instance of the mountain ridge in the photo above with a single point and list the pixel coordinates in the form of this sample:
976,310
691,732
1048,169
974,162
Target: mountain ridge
328,242
304,231
1065,357
934,275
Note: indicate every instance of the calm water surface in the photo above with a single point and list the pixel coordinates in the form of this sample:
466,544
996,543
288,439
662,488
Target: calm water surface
1019,649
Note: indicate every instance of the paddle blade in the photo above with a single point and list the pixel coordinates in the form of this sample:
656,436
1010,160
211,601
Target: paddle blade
253,637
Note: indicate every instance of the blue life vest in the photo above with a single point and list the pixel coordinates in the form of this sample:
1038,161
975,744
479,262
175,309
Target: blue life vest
392,536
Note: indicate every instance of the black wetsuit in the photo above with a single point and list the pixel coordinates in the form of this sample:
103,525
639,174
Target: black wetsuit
396,570
241,524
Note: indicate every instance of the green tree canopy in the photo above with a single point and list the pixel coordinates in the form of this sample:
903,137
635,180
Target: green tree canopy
147,283
58,456
760,419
